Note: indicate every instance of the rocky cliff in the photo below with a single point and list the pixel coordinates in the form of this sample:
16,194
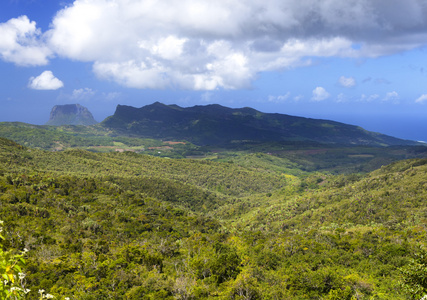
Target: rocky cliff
70,114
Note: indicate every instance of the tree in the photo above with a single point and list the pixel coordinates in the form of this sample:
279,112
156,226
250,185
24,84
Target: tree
414,275
12,284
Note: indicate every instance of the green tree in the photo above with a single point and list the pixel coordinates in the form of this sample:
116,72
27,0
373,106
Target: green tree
12,285
414,275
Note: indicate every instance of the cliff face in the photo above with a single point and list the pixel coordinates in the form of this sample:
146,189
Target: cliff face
70,114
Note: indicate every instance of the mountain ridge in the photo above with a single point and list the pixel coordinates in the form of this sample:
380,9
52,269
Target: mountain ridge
215,124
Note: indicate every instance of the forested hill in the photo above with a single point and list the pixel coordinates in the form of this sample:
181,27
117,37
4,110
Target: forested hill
131,226
216,124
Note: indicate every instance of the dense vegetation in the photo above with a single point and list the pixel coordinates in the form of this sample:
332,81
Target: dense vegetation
257,226
218,125
294,157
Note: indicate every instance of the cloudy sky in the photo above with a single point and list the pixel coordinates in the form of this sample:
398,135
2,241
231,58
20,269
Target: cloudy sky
361,62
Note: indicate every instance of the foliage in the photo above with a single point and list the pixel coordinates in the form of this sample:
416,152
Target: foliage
218,125
12,277
290,157
414,275
132,226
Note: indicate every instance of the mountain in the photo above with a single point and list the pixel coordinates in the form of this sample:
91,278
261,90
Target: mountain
215,124
70,114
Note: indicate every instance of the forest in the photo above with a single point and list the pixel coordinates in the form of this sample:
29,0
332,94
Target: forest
78,224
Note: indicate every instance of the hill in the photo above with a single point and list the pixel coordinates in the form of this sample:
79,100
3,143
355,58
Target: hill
70,114
289,157
219,125
131,226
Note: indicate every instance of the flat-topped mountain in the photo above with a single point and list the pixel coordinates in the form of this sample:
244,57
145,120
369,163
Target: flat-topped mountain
215,124
70,114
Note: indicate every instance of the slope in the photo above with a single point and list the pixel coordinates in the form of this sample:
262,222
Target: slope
218,125
128,226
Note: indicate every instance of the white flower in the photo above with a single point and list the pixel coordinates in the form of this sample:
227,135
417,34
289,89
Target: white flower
41,292
49,296
26,291
21,276
25,250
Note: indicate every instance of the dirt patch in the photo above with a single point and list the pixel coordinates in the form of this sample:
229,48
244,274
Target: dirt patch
173,143
160,148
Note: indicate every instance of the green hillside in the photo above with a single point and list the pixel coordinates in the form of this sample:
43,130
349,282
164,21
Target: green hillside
132,226
288,157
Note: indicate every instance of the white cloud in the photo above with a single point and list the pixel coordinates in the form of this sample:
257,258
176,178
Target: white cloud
320,94
279,98
326,47
391,97
19,43
206,45
45,81
421,99
347,82
170,47
134,74
298,98
83,94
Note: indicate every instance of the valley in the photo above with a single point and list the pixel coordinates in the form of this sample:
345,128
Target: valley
104,213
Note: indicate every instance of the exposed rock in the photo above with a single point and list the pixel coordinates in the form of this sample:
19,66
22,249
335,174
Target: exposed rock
70,114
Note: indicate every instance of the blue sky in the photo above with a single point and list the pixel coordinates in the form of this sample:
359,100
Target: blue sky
360,62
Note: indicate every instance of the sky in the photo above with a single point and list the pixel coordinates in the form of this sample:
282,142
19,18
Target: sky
360,62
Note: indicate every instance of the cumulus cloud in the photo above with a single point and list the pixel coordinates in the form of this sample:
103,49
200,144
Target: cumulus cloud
206,45
347,82
45,81
320,94
20,43
421,99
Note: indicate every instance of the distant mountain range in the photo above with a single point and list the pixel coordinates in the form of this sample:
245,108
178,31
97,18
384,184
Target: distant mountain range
70,114
218,125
